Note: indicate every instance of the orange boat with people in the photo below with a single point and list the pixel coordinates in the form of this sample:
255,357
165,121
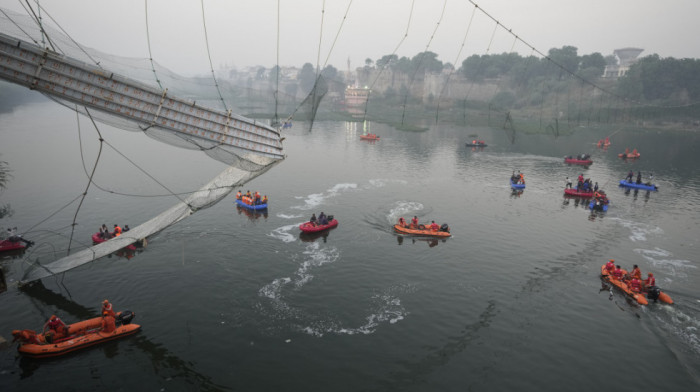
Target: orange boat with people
653,293
422,230
629,155
369,136
79,335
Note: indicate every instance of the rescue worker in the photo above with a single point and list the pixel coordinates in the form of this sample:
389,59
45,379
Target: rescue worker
57,329
257,197
322,219
635,285
264,199
639,177
414,222
107,308
630,175
239,195
636,272
650,280
402,222
434,226
610,266
568,182
617,274
108,323
313,219
117,231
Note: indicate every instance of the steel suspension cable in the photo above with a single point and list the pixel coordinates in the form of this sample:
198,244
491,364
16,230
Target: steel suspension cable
150,53
211,65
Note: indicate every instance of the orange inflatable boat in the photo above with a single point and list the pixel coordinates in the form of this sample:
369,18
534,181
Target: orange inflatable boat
80,335
653,293
422,230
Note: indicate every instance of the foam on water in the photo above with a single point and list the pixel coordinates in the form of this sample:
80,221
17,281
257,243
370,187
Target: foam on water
285,216
388,309
381,182
404,208
660,258
315,199
282,233
639,231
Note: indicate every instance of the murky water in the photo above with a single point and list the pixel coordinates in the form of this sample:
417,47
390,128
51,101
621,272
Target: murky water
228,299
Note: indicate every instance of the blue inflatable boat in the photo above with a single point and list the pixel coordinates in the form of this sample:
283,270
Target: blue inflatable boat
516,186
592,204
251,206
651,187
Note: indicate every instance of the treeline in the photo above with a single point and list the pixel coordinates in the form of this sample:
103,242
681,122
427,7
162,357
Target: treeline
653,80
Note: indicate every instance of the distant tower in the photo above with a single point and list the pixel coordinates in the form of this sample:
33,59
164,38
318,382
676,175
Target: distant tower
625,58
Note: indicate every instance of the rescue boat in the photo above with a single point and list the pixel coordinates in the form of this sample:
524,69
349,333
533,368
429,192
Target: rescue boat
652,293
577,193
81,335
244,203
599,207
369,136
97,239
648,187
630,155
575,161
516,186
308,227
422,230
7,245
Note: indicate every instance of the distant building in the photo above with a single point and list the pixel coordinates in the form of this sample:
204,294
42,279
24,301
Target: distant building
625,58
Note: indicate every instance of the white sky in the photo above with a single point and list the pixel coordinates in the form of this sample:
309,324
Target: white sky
244,32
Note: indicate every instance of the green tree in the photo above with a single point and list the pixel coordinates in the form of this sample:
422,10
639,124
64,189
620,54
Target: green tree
307,78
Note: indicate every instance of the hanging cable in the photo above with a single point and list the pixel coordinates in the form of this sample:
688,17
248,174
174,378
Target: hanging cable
420,61
94,168
381,70
150,54
211,65
454,67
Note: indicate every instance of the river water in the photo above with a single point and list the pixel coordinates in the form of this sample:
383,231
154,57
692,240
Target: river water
229,300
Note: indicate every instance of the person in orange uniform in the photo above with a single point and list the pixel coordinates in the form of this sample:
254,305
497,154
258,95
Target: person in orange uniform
264,199
434,226
117,231
107,307
239,195
402,222
108,323
610,266
57,328
414,222
635,284
636,272
617,274
650,280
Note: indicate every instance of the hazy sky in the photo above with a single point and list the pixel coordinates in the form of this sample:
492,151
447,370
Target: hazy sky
244,32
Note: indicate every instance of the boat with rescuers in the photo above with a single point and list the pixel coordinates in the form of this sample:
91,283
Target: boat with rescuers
583,159
370,136
422,230
77,336
652,292
582,193
7,245
311,227
648,187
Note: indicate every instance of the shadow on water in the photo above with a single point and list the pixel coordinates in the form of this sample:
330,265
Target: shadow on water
416,372
160,357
